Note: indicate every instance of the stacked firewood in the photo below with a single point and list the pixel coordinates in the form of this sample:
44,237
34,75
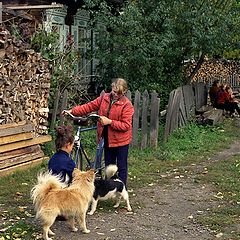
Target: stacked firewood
216,68
24,84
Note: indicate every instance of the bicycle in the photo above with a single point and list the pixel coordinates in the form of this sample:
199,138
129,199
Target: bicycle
78,153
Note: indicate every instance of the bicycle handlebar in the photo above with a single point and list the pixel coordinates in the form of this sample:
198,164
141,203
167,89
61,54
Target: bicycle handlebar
83,119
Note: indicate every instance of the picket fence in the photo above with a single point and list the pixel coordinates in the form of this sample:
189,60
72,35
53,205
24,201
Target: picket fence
182,105
145,118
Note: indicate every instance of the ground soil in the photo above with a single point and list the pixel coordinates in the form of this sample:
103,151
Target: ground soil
161,212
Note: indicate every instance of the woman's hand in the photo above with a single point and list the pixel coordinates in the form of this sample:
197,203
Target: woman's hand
105,121
66,112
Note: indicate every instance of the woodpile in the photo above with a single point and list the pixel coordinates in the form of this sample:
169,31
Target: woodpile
19,147
24,84
215,68
24,93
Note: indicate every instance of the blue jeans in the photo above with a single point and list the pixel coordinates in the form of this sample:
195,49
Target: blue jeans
118,156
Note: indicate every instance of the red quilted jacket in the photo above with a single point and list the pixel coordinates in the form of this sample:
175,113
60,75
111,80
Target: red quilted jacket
121,112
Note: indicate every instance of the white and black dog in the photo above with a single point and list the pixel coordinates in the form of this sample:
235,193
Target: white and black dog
109,187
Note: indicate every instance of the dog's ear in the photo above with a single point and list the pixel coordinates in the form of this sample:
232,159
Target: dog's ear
75,171
91,175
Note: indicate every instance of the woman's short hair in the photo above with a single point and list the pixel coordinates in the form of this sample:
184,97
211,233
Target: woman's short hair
120,85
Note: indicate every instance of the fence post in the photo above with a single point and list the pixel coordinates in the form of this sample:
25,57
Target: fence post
154,123
136,118
1,12
129,95
172,113
144,127
55,109
64,104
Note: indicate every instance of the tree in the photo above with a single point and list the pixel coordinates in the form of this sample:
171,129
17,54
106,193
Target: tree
148,41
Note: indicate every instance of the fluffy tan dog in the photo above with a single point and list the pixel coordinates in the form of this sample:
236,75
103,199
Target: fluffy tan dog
51,199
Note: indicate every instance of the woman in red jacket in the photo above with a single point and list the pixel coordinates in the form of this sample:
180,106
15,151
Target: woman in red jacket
115,125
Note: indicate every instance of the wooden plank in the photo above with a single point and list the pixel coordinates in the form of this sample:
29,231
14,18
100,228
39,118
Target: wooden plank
26,165
25,143
10,125
27,7
189,101
182,118
20,159
16,138
175,110
154,119
129,95
1,9
144,127
136,119
19,152
201,94
169,115
172,119
16,130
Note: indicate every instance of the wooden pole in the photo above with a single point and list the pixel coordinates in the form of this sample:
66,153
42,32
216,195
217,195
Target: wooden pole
0,12
24,7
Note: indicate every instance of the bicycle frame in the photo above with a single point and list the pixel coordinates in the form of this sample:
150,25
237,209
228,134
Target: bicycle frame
79,154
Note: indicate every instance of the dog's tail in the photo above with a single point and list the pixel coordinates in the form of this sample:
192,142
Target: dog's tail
45,183
111,170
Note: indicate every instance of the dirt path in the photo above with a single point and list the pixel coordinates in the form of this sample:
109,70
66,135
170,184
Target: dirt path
166,213
160,212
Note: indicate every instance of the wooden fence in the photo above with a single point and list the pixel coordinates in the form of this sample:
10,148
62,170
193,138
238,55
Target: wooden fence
182,105
145,118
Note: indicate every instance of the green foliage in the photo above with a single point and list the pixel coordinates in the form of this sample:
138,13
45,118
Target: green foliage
148,42
63,63
46,43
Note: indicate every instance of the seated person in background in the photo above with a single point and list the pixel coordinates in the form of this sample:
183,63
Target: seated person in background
61,162
213,92
226,101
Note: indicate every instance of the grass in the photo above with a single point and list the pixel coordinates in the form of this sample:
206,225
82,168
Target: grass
224,176
190,145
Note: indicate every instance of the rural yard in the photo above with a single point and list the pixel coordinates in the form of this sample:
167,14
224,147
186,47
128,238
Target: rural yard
161,212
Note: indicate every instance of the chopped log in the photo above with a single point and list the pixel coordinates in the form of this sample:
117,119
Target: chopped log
16,138
19,152
26,165
203,109
213,116
26,143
